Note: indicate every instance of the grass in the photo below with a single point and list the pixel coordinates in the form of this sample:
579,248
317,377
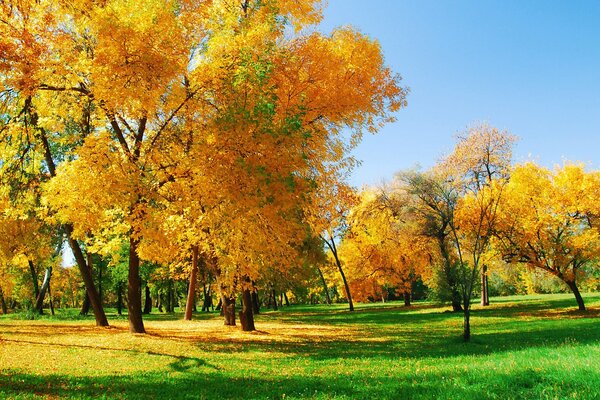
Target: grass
522,347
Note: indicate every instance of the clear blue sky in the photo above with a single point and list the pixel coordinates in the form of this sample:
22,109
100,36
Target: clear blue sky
532,67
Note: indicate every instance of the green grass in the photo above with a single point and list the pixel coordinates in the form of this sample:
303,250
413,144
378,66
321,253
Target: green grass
522,347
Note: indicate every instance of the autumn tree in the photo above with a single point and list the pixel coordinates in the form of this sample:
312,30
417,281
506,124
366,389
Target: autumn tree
546,221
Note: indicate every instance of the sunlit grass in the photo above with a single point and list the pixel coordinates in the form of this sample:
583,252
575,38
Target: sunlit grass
523,347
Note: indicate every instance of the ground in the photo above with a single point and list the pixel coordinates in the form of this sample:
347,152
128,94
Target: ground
522,347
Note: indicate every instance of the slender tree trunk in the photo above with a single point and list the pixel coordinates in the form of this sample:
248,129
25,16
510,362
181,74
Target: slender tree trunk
207,303
333,249
134,289
287,301
120,298
406,296
3,302
100,281
485,294
228,308
34,279
50,300
85,307
467,323
246,314
325,288
573,286
85,270
274,299
147,300
39,303
189,305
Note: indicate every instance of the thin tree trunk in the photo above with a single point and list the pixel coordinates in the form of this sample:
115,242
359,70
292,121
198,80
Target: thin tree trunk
189,306
120,298
485,294
134,289
39,303
332,247
147,300
100,281
85,307
325,288
34,279
573,286
3,302
50,300
287,301
467,323
274,295
228,308
246,314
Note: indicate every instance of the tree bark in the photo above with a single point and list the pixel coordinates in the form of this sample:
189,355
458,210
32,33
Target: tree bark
287,301
485,294
50,300
34,279
189,305
228,308
134,289
274,295
255,302
246,314
3,302
333,249
573,286
467,323
207,303
406,296
147,300
39,303
325,288
85,307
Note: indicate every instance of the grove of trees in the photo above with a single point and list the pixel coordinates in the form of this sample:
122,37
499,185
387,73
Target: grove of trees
195,152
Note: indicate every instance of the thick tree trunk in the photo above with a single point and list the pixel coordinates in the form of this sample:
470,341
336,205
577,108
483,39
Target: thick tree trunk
485,293
406,296
467,324
246,314
39,303
147,300
573,286
255,302
325,288
34,279
134,289
3,302
189,305
228,308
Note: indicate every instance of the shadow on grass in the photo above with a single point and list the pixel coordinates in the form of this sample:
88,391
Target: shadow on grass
517,383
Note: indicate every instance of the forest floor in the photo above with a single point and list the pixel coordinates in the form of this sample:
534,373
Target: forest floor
536,347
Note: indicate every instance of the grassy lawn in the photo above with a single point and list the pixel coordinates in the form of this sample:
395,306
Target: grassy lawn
522,347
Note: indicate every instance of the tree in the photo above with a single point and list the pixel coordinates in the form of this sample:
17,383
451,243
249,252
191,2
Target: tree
546,221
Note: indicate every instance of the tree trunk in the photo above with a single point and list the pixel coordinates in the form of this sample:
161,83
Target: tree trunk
456,307
85,270
100,281
147,300
85,307
134,289
39,303
573,286
287,301
325,288
120,298
34,279
3,302
255,302
274,295
220,306
207,303
485,294
246,314
406,296
228,308
339,265
189,305
50,300
467,323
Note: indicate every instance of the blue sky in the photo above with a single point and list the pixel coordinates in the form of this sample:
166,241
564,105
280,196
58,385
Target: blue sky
531,67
